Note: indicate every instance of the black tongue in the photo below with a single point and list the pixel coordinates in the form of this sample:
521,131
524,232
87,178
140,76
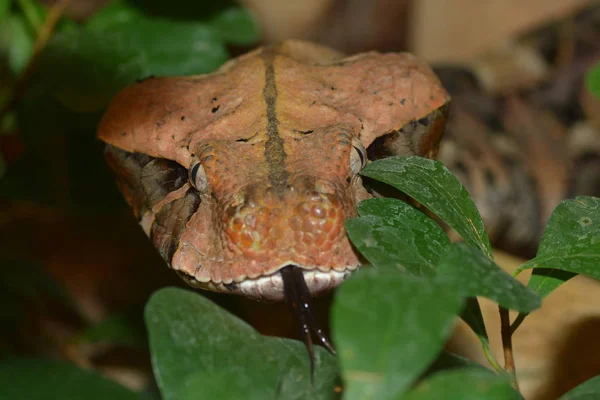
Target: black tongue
297,296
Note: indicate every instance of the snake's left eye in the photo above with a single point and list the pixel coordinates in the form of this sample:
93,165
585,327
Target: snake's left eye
198,177
358,157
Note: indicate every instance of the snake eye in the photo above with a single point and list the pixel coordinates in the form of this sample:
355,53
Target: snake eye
358,157
198,178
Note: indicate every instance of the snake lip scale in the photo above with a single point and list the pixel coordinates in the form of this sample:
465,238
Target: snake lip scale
271,287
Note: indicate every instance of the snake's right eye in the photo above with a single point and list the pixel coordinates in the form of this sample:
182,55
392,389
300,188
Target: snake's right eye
198,178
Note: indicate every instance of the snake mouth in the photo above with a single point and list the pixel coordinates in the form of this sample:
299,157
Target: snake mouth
270,288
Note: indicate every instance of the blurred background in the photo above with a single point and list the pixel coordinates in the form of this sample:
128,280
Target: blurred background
75,268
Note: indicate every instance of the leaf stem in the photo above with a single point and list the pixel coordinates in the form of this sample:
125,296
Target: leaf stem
43,35
505,331
517,322
487,352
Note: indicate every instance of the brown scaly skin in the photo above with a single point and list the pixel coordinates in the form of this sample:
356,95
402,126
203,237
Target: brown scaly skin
264,155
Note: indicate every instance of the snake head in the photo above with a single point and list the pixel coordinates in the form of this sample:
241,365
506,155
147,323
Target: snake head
238,174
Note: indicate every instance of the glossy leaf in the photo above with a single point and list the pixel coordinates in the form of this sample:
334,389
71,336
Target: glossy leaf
34,379
192,339
390,232
237,26
388,328
433,185
592,80
470,271
464,384
588,390
570,243
89,66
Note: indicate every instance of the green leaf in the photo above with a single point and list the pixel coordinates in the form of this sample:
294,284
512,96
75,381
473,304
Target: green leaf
588,390
464,384
592,80
470,271
571,243
19,42
388,328
193,340
447,361
4,9
119,329
434,186
89,66
34,12
113,14
236,25
34,379
389,232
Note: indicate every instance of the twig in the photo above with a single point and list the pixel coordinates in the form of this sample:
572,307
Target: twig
43,35
505,331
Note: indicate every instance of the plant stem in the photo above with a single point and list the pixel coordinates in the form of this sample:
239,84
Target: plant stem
517,322
509,361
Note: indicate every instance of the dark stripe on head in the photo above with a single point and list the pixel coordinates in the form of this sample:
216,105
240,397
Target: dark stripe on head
170,222
274,150
144,180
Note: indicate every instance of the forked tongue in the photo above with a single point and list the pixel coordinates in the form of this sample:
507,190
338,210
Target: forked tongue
298,298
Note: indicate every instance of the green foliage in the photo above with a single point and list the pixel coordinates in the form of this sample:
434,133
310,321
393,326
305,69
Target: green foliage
381,353
465,384
588,390
391,233
570,245
119,45
592,80
119,329
390,320
4,9
433,185
18,39
471,272
84,65
194,341
37,379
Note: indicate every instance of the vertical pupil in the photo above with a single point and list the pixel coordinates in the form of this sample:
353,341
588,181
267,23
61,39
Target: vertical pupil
360,154
194,173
